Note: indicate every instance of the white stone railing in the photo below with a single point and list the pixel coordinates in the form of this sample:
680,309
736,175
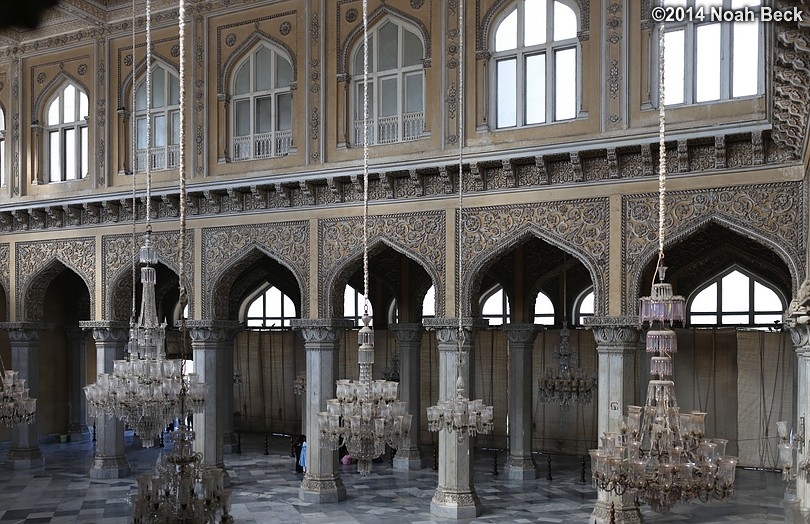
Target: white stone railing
263,145
159,158
391,129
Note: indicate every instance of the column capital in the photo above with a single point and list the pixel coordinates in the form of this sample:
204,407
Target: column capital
612,333
411,332
447,329
106,330
211,330
521,333
800,336
321,330
24,332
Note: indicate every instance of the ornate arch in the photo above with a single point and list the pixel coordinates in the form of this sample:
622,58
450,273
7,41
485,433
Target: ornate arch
157,59
772,215
228,250
52,88
242,50
483,28
38,263
377,15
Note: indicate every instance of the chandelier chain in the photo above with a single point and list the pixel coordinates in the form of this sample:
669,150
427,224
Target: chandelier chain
182,167
365,157
134,122
460,353
148,115
662,148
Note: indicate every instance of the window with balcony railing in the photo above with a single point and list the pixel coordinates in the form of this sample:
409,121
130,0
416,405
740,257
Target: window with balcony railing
261,105
162,148
396,80
66,135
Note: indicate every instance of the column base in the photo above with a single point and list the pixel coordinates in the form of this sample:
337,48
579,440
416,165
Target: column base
520,468
109,468
626,511
408,459
456,505
24,459
322,491
79,434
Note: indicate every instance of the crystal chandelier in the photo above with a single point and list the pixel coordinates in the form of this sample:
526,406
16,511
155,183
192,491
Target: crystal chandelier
460,415
566,383
16,407
366,414
661,455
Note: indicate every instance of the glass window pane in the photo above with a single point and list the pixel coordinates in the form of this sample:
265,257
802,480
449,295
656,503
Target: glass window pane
264,115
707,57
85,167
767,319
673,67
264,69
358,62
745,58
765,299
543,305
735,292
242,83
587,306
53,112
283,71
494,304
545,321
565,22
534,22
242,113
703,320
359,105
349,302
83,106
706,300
284,120
140,97
255,322
256,308
388,56
506,93
69,101
70,154
2,120
388,97
739,4
536,89
159,87
289,307
735,319
565,90
159,131
54,155
506,34
707,5
413,50
413,93
175,128
429,304
174,90
142,133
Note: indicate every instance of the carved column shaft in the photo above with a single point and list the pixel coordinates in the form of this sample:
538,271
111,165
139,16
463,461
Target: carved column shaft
800,336
520,464
223,133
77,373
322,482
37,171
409,339
124,144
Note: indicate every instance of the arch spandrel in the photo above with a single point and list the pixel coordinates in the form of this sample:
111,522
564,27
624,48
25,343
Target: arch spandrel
226,249
578,227
38,263
770,215
419,236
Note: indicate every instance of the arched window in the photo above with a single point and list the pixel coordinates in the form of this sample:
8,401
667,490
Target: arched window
535,64
584,306
707,60
353,302
429,304
543,310
270,309
262,105
495,307
66,135
396,80
2,148
736,297
164,150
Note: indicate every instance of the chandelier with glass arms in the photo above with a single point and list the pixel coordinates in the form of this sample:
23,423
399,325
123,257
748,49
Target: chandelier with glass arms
366,414
659,454
460,415
16,407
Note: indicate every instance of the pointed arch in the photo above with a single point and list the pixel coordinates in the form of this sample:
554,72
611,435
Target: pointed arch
140,68
51,89
244,49
36,285
486,23
119,292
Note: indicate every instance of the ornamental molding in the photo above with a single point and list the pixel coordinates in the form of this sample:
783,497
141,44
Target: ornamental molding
24,333
5,275
407,334
203,332
107,331
791,84
773,215
577,227
418,236
800,337
116,275
521,334
38,263
321,334
227,251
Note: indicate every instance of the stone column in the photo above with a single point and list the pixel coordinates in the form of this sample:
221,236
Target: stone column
212,344
800,335
77,379
23,338
520,464
455,497
409,338
110,461
616,346
322,482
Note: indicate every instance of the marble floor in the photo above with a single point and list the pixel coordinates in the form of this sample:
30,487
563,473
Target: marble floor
265,490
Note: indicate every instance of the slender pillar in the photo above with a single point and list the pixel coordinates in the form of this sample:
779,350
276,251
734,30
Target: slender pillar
800,335
409,338
23,338
212,344
455,497
110,461
520,464
77,379
322,482
228,434
616,346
